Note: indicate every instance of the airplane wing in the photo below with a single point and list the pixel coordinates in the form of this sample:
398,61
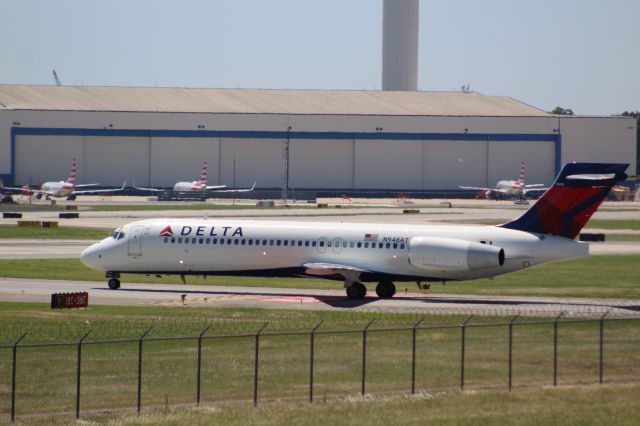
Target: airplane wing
535,185
96,191
85,185
18,190
351,273
148,189
475,188
216,186
527,190
238,190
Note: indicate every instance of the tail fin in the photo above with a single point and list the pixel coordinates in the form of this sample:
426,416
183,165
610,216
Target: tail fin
521,178
72,175
203,175
567,206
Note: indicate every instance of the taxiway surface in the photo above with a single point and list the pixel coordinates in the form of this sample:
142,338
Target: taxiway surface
33,290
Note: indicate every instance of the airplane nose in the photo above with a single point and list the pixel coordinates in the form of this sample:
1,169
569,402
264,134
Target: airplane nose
91,257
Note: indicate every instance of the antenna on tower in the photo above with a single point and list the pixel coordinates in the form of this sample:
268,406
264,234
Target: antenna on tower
56,78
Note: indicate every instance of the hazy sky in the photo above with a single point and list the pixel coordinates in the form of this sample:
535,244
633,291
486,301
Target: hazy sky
579,54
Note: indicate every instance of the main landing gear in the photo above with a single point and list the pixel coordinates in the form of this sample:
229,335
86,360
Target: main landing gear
114,282
384,290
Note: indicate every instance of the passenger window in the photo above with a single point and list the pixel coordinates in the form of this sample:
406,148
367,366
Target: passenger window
180,240
214,241
236,242
300,243
359,245
228,241
329,243
286,242
395,245
208,241
321,243
313,243
278,242
193,240
402,245
344,244
166,239
271,242
250,242
351,244
201,241
264,242
388,245
186,241
366,245
221,240
306,243
243,241
173,240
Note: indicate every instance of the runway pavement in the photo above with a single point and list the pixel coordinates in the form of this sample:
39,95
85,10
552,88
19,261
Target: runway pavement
32,290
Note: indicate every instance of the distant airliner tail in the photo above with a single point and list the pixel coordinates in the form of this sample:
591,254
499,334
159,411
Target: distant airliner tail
566,207
72,174
203,175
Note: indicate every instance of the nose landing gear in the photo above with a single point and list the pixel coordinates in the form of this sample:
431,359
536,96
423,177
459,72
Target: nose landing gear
114,282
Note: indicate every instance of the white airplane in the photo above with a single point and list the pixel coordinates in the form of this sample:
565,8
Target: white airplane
355,252
62,188
510,188
197,185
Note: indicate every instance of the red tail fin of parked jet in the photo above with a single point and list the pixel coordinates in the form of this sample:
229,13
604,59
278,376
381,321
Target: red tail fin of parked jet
72,174
203,176
575,195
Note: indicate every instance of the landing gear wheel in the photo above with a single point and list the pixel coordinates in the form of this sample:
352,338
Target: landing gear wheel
114,283
356,291
71,197
385,289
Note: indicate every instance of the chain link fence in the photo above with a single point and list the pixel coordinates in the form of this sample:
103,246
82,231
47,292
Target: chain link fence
199,361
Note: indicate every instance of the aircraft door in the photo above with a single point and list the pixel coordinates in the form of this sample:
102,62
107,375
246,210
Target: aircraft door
337,245
322,245
135,241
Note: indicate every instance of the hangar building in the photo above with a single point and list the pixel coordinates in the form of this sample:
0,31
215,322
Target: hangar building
342,140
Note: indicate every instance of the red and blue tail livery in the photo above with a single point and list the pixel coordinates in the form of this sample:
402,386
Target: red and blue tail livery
566,207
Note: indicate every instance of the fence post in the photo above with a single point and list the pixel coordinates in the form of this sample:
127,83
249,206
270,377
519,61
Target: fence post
78,370
255,370
364,355
140,367
511,350
413,357
555,348
13,378
312,336
200,364
601,369
463,328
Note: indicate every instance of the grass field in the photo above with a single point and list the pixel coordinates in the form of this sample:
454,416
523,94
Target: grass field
610,276
59,233
614,405
46,374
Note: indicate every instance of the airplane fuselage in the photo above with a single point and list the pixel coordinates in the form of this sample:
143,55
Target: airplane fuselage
377,251
56,189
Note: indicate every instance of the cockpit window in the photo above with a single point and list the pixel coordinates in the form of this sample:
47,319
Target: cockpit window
117,234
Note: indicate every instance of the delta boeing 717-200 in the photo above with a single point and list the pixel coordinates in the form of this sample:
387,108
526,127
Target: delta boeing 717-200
357,252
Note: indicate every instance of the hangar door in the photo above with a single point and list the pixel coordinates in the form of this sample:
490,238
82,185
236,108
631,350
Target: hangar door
321,163
244,161
48,158
180,160
111,160
449,164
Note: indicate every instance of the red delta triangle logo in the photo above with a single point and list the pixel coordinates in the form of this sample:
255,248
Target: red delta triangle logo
166,232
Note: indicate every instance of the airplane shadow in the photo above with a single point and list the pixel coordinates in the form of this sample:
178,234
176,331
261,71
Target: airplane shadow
345,302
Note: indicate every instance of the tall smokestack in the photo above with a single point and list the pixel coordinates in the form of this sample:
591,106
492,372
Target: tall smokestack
400,45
